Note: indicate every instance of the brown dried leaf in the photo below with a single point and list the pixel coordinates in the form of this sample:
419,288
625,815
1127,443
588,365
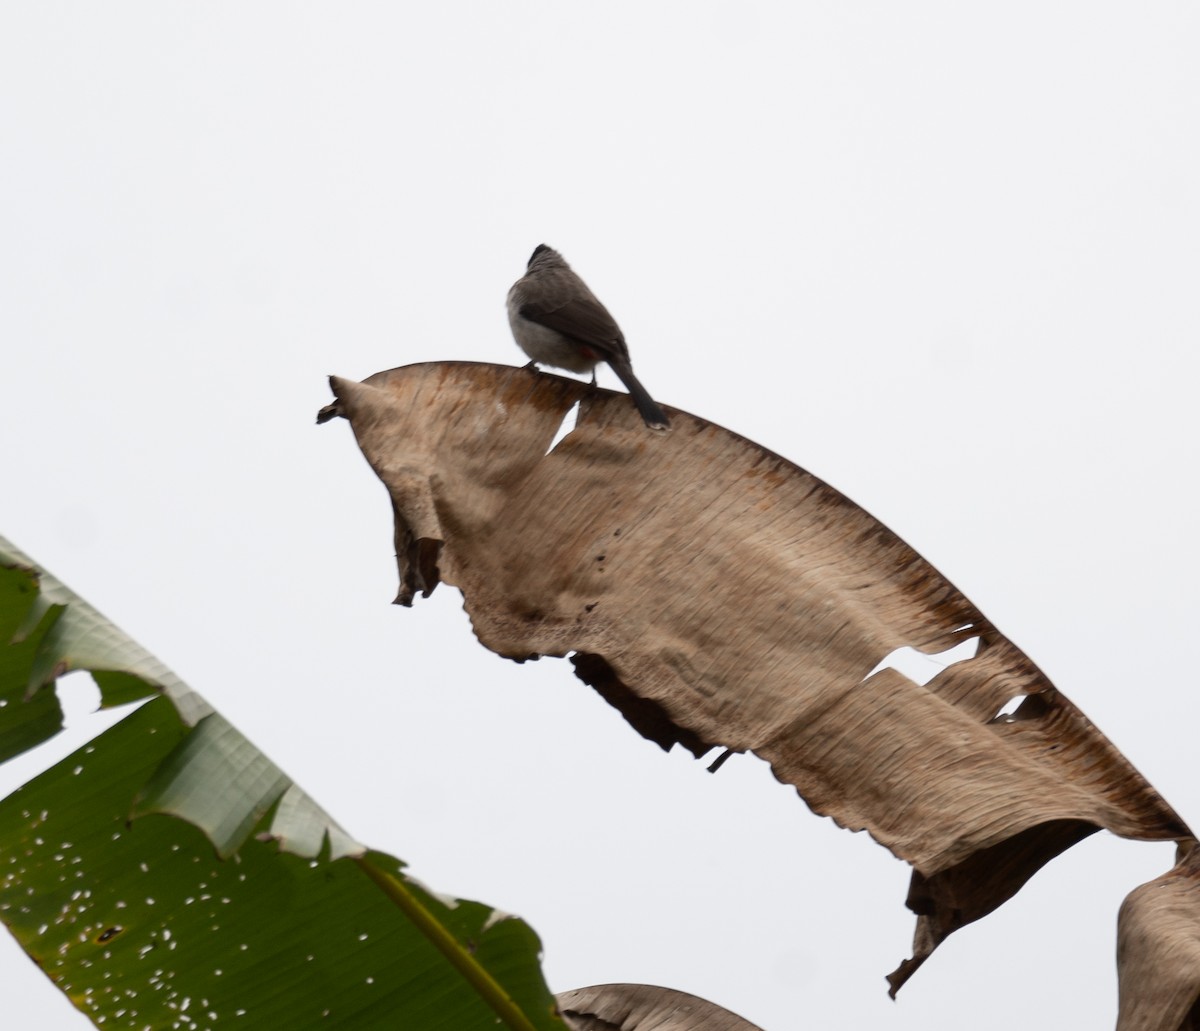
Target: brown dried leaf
643,1007
1158,951
717,594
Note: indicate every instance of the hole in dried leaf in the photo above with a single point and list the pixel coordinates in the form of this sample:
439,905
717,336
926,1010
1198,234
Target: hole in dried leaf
565,427
921,667
1021,707
1008,708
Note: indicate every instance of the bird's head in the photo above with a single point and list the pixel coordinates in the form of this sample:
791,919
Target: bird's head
544,255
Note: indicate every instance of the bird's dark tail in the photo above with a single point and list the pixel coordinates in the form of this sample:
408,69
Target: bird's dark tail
651,413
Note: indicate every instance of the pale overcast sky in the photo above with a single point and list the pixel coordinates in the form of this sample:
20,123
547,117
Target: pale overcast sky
943,255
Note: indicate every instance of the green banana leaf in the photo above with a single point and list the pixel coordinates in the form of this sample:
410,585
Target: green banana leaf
168,874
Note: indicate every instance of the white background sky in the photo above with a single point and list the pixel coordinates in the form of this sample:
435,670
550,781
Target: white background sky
943,255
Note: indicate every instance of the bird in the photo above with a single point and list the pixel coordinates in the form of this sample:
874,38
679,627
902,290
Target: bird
556,320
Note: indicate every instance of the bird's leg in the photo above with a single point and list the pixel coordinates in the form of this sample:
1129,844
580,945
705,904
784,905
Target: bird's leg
593,376
531,366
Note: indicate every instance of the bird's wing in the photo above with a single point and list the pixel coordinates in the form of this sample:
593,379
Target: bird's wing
582,320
